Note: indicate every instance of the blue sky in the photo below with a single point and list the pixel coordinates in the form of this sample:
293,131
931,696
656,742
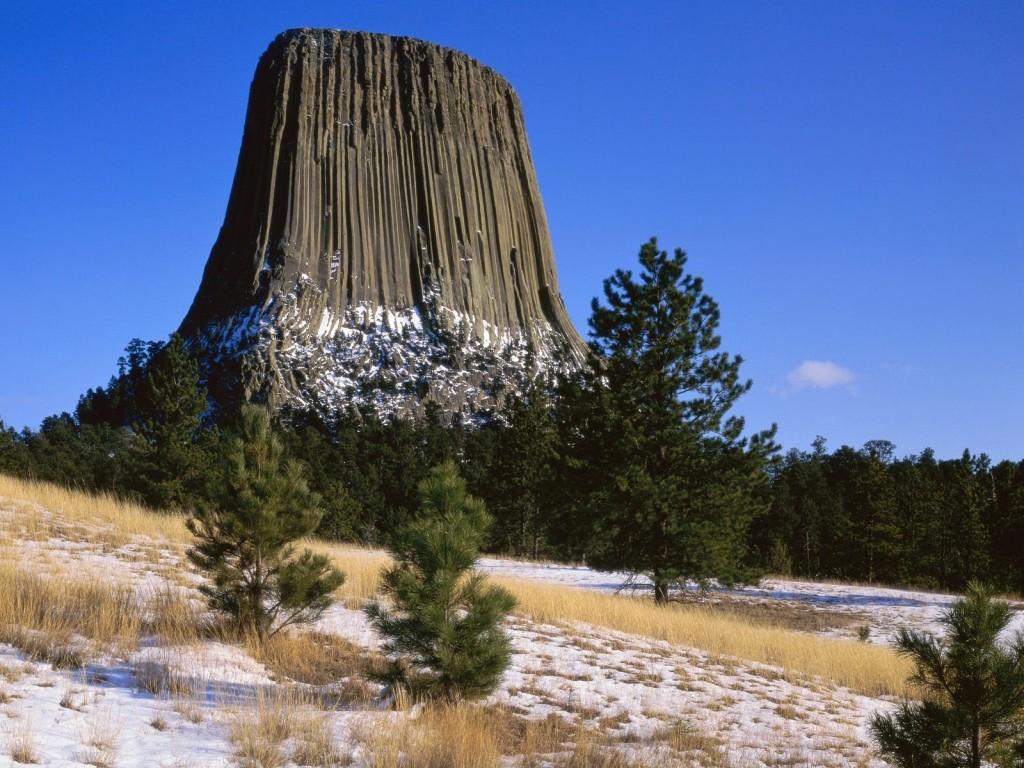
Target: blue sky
847,176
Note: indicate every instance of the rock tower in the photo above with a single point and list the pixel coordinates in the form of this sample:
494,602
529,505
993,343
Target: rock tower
385,243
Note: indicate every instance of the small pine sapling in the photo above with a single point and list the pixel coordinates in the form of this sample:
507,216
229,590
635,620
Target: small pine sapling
443,628
972,692
261,505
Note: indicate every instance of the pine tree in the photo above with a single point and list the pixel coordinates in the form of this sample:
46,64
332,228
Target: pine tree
676,483
973,693
168,406
526,453
1008,520
14,456
969,492
444,625
877,533
245,535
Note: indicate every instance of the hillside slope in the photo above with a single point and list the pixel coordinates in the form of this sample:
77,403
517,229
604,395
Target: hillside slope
124,667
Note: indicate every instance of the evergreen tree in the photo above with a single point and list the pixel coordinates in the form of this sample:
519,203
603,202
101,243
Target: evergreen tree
526,454
245,535
14,456
675,482
393,453
1007,524
973,693
444,626
968,493
168,406
876,534
335,477
802,516
122,392
84,456
916,501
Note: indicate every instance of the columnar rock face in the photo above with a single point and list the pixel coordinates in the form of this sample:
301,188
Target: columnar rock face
385,243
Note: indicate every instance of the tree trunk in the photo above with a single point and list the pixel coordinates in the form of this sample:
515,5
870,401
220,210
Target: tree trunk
661,592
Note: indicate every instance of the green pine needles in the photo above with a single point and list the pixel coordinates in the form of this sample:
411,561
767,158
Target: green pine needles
245,536
972,708
671,482
444,625
168,407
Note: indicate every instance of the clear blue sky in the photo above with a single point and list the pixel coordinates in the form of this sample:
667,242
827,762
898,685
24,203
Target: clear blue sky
847,176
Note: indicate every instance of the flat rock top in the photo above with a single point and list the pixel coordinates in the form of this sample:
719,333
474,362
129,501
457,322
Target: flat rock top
329,37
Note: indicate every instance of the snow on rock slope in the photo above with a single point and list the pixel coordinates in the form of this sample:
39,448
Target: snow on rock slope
385,243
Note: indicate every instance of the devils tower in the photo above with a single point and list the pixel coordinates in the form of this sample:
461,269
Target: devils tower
385,244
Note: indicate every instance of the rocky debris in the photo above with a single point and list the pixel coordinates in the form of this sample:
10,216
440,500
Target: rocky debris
385,242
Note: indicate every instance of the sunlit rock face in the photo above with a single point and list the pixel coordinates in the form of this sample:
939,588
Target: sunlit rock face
385,243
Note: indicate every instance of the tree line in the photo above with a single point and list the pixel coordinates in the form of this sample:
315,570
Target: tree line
866,515
637,463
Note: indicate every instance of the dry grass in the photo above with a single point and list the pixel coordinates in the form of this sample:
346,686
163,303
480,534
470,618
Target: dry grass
159,679
308,657
61,617
783,614
591,753
21,742
100,740
868,669
313,743
864,668
47,615
442,737
729,631
281,727
362,567
122,519
330,663
176,616
467,736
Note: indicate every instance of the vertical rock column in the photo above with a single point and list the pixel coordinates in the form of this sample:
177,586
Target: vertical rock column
377,173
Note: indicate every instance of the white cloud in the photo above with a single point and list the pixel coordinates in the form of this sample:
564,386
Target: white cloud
819,374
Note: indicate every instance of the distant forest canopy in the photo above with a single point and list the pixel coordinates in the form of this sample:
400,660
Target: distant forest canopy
867,515
635,464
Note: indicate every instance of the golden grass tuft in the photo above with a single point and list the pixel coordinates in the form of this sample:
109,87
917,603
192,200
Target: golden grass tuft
313,743
21,742
279,727
324,661
440,737
100,741
307,657
176,616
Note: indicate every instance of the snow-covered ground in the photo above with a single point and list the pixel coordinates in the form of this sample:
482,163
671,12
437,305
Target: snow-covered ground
882,610
628,686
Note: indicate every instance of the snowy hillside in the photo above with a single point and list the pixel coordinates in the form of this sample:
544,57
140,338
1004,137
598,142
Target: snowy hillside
171,693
